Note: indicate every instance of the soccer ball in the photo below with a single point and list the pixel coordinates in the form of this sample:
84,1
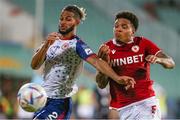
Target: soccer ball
31,97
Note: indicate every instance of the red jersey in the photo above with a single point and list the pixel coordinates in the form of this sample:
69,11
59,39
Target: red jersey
129,59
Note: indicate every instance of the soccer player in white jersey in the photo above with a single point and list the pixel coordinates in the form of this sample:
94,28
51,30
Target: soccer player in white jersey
131,56
63,53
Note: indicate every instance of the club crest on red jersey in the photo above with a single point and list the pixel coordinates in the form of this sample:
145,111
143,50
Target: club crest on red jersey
135,48
113,51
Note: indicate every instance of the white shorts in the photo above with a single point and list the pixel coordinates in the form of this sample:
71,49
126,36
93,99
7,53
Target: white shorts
144,110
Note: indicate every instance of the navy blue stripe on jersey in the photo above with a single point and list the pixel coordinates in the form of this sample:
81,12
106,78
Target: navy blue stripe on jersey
83,50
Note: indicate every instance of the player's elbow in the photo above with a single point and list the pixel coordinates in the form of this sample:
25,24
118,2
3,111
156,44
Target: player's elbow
34,66
170,65
101,81
101,86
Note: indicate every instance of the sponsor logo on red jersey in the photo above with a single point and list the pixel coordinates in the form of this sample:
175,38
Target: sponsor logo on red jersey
127,60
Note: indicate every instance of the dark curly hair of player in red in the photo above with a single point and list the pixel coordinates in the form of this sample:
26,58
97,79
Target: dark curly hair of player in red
130,16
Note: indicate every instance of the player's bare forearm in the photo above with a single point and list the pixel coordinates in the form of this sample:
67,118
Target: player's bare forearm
101,80
103,67
165,61
39,57
106,70
161,58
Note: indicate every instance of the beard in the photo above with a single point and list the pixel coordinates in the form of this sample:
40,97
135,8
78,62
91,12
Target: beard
66,31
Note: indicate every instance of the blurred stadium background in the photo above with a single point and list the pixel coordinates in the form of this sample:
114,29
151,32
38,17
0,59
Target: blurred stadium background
24,24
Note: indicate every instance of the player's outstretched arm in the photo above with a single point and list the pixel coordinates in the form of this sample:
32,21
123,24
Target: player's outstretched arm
105,69
39,57
161,58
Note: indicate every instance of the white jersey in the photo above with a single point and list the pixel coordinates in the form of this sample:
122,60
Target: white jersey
64,60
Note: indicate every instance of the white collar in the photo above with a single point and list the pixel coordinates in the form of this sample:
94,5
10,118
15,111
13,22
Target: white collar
115,42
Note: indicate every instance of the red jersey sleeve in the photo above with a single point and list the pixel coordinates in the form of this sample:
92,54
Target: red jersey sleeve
150,47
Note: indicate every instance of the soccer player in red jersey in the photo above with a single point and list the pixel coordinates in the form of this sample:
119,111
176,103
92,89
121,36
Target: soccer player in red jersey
131,56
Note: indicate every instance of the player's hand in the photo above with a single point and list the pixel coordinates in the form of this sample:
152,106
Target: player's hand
51,38
103,53
152,59
129,82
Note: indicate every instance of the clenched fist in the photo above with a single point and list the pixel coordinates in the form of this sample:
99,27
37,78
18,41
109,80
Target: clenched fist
51,38
103,53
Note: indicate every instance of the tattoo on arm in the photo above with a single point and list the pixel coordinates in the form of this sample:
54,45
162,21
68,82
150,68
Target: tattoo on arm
162,55
166,61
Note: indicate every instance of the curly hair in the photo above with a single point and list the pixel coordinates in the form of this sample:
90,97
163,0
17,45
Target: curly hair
79,12
130,16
